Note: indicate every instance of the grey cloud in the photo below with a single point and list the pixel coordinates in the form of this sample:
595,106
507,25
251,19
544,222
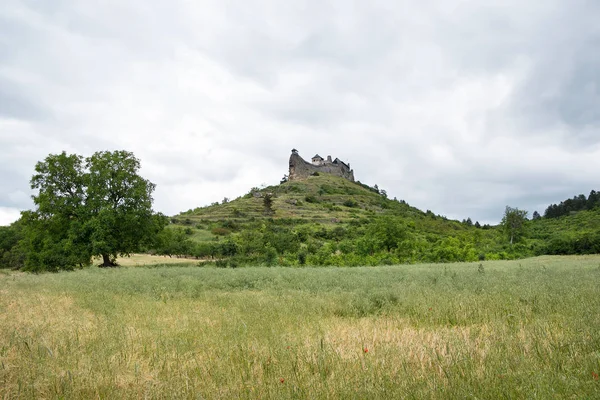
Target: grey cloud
16,103
575,98
456,107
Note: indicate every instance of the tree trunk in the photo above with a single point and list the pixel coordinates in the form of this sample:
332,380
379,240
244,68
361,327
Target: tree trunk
107,262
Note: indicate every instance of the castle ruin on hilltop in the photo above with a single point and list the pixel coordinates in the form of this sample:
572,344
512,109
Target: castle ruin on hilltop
300,169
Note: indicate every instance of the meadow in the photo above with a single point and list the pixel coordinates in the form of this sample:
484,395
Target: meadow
492,330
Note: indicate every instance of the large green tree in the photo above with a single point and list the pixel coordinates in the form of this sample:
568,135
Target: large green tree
97,206
513,223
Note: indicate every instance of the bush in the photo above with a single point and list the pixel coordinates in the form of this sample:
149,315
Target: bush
302,258
228,248
270,256
350,203
311,199
218,231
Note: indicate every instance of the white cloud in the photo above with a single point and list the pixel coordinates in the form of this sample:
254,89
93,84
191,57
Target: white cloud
8,215
456,107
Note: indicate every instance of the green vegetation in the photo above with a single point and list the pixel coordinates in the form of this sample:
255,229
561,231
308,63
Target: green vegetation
513,223
497,329
577,203
326,220
98,206
576,233
174,323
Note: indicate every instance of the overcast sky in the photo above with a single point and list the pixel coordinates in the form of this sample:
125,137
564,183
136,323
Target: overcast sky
460,107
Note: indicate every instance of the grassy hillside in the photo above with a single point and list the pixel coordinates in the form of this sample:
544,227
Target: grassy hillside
327,220
505,329
576,233
320,199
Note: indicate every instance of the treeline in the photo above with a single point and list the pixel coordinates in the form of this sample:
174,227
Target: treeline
573,244
577,203
378,240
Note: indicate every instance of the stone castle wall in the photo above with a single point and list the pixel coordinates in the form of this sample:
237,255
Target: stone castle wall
300,169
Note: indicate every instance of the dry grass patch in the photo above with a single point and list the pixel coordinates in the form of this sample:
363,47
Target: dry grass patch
138,260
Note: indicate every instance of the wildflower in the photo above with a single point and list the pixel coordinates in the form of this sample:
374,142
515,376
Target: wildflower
366,350
595,376
281,380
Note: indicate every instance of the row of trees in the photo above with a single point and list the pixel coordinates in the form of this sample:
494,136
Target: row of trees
577,203
86,207
385,239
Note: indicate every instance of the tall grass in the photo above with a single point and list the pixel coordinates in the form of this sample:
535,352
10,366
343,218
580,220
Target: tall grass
522,329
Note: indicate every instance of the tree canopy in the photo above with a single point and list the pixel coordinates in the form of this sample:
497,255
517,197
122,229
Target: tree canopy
577,203
513,223
97,206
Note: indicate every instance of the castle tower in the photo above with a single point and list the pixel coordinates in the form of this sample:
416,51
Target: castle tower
317,160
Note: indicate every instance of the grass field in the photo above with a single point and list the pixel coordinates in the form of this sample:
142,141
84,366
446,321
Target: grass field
505,329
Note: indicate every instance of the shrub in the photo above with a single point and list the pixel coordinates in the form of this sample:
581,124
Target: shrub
218,231
302,258
268,204
311,199
229,224
228,248
270,256
350,203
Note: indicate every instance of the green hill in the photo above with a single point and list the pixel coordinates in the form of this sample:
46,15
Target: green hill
575,233
327,220
317,198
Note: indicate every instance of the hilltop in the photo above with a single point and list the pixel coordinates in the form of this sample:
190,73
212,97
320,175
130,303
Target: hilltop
317,198
325,200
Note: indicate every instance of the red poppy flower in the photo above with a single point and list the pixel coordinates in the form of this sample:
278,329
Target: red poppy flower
366,350
281,380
